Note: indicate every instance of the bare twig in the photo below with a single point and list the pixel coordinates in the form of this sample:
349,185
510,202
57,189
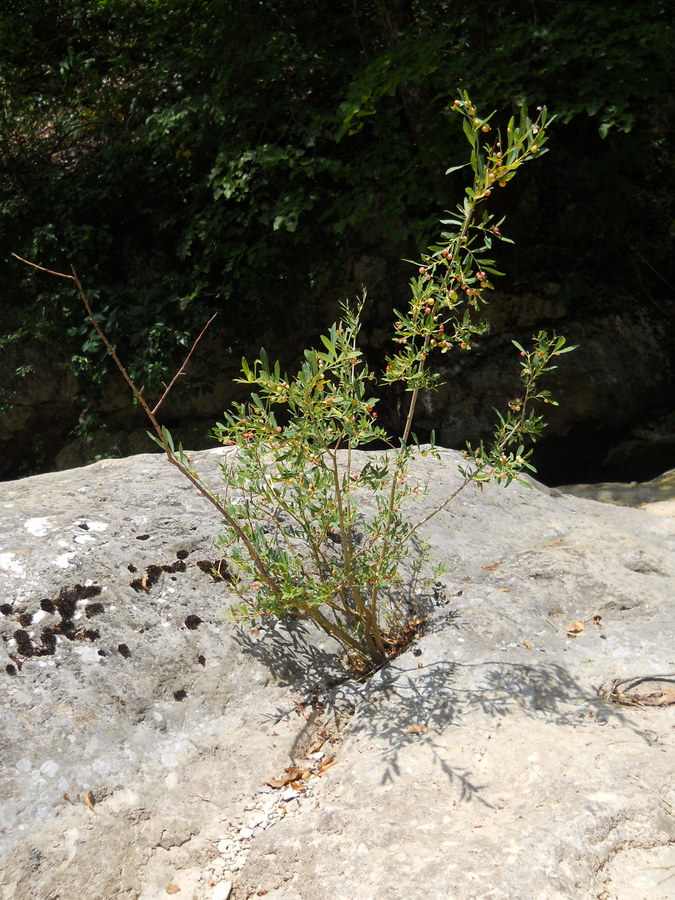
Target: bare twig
111,350
181,370
174,458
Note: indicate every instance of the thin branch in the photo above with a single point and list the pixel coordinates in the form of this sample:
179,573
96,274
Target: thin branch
42,268
174,458
181,370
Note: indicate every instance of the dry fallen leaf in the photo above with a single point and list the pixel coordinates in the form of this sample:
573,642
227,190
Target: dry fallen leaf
88,800
172,889
417,729
326,764
291,776
574,628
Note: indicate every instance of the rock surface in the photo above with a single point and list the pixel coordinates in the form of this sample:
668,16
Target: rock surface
522,747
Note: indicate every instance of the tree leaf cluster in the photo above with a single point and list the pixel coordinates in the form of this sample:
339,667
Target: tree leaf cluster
209,155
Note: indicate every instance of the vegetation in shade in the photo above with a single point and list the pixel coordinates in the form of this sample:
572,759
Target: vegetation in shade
191,161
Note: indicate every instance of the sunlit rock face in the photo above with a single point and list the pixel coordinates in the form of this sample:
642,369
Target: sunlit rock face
520,747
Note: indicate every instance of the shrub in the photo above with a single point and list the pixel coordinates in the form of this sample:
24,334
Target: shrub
299,537
292,486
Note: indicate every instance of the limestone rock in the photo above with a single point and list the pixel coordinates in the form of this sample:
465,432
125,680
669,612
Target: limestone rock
142,730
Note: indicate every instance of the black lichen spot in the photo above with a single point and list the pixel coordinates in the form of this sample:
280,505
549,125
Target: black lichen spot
10,669
87,634
68,597
6,609
25,619
183,554
217,569
48,606
93,609
201,660
66,628
193,622
48,639
132,569
83,526
124,651
23,643
142,537
102,653
178,566
66,604
151,577
179,695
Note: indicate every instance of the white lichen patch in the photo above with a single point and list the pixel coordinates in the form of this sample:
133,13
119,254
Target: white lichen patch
63,560
10,564
88,654
38,526
90,526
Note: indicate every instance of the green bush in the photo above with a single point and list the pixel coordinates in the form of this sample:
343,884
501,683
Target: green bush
299,538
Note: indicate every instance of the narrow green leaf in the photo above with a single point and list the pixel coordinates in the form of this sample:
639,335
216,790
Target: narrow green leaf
455,169
468,131
168,438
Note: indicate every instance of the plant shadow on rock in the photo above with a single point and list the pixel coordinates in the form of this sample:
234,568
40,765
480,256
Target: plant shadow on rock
288,650
412,701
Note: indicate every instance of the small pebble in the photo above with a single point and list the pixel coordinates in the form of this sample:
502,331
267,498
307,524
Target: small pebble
256,818
222,890
245,834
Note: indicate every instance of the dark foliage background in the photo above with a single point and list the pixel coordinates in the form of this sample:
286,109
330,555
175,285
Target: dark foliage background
242,157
